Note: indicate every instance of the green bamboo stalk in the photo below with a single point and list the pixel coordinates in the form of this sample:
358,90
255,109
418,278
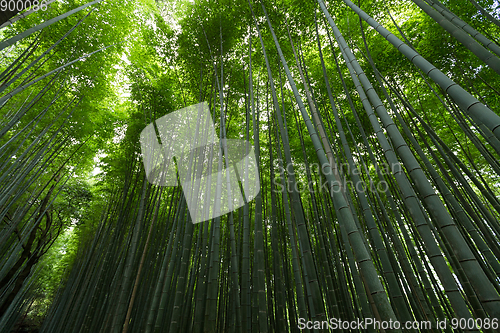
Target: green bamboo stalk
43,25
465,100
355,239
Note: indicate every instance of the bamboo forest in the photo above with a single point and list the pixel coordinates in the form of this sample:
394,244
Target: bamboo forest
370,130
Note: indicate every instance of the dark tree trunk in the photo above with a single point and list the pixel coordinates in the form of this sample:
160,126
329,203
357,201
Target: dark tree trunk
18,284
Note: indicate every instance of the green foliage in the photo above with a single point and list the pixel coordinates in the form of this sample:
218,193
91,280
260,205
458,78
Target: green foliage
166,55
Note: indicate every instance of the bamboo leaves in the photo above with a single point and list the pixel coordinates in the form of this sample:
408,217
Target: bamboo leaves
388,215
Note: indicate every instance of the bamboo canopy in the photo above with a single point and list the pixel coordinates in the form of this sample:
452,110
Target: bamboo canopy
374,135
